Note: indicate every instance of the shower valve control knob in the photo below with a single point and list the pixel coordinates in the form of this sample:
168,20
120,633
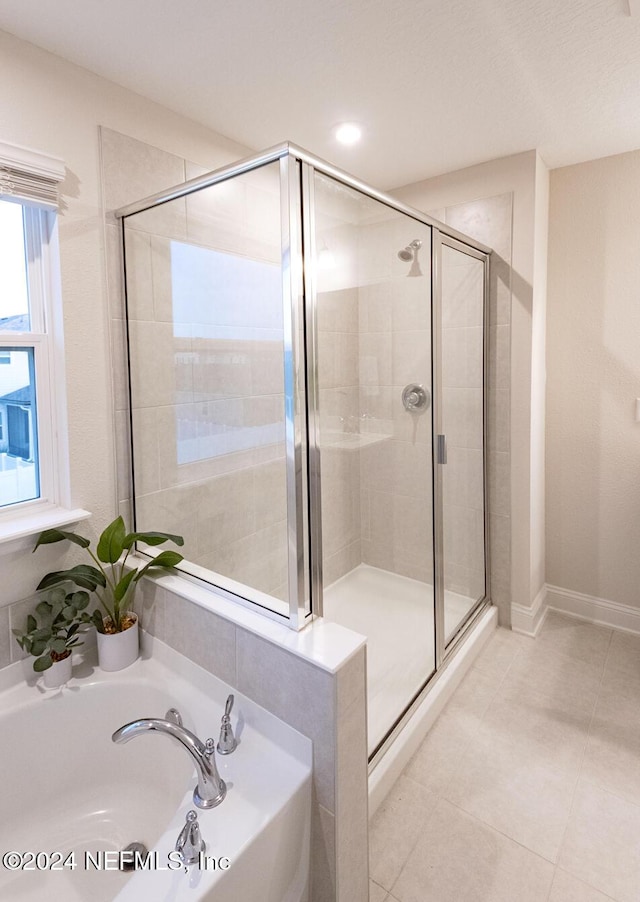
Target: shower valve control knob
227,742
415,397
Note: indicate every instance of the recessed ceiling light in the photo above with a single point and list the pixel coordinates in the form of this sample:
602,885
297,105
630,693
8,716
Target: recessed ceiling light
348,133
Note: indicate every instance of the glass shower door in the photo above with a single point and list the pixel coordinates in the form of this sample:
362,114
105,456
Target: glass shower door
460,460
372,291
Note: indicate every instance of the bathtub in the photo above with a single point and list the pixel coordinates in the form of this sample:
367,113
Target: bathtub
69,790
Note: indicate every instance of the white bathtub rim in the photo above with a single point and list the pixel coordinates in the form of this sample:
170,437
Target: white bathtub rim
21,686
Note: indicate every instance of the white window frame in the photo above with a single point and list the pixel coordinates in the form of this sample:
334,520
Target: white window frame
53,508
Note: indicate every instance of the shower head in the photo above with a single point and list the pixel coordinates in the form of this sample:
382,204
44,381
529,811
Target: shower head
410,254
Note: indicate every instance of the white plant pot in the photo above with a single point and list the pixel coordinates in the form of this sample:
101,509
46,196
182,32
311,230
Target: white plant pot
118,650
58,674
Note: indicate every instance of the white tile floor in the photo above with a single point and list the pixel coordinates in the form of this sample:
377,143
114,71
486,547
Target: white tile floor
527,788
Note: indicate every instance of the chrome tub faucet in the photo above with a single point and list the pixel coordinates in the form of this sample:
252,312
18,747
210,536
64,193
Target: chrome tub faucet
211,788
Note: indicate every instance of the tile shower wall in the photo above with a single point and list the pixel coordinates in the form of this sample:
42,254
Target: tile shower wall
463,417
374,337
338,378
208,412
489,220
338,341
395,350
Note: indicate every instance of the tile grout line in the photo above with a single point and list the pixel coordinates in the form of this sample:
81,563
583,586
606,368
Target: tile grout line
500,833
419,837
469,750
439,797
579,774
586,883
475,817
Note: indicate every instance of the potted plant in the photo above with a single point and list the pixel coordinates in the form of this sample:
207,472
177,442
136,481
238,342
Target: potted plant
113,584
52,640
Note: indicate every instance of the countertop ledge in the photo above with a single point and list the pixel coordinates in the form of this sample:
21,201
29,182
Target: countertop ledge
325,644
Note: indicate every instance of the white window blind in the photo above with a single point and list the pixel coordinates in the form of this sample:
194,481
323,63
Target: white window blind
29,176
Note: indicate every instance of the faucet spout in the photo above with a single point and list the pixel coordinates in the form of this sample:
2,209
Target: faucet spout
211,788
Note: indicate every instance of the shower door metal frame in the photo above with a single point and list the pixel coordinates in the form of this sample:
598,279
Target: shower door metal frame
440,240
298,608
294,365
311,165
314,476
297,169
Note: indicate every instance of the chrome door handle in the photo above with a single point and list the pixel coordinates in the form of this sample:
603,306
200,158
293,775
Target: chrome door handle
441,449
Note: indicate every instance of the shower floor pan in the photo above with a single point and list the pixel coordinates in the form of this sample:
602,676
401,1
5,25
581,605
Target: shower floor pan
395,613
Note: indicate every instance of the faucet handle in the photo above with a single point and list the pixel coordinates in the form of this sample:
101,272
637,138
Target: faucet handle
227,742
190,843
174,716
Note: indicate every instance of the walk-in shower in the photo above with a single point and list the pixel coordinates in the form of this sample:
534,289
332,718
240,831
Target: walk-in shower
309,418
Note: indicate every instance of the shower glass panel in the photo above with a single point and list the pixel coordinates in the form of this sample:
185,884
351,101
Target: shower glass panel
462,400
207,340
373,319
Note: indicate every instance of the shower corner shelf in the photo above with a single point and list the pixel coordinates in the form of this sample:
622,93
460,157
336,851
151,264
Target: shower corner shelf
352,441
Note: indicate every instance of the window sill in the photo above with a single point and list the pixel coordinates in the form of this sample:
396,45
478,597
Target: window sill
16,533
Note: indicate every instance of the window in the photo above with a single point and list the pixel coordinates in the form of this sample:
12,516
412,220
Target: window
31,408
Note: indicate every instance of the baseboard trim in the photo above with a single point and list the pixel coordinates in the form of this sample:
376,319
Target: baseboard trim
528,620
595,610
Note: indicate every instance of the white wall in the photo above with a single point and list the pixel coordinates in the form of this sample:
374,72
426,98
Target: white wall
538,379
593,362
55,107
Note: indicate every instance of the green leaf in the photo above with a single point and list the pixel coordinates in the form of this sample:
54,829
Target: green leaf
69,612
57,596
123,585
32,623
111,541
43,663
162,561
80,600
58,645
44,609
97,620
49,536
151,538
73,629
38,646
83,575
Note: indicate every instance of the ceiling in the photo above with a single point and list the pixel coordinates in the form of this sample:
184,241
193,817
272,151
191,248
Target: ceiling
435,84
